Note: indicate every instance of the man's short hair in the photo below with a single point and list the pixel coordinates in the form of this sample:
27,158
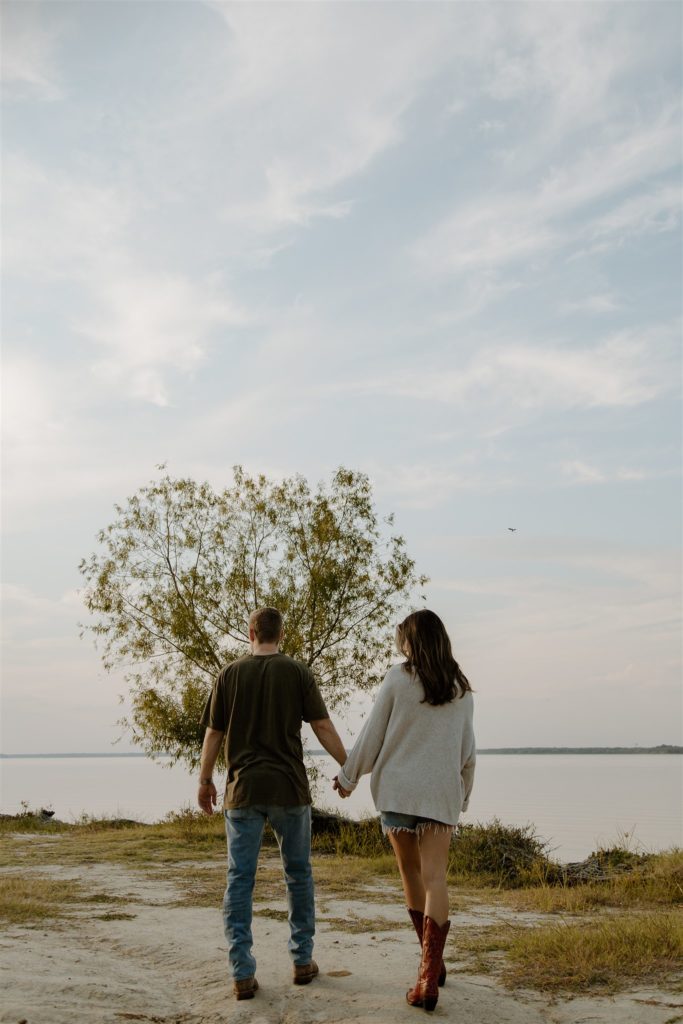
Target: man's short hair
267,625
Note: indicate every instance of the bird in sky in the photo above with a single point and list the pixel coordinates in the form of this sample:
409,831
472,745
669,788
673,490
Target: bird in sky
512,529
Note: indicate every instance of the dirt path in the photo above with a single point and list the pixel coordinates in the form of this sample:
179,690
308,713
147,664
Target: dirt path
166,964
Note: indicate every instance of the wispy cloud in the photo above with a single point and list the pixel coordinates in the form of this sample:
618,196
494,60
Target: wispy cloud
145,323
326,126
651,213
576,471
602,302
624,369
150,325
520,224
29,46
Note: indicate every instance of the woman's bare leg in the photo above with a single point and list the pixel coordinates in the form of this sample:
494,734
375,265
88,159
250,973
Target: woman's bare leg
407,849
433,854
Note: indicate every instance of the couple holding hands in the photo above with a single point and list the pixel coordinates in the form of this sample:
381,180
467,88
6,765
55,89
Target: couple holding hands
418,743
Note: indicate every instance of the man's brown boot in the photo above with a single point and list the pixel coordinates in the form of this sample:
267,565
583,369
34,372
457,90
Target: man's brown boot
245,988
426,990
417,917
305,973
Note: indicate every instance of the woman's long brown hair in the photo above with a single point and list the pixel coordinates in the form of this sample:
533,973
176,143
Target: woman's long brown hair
423,639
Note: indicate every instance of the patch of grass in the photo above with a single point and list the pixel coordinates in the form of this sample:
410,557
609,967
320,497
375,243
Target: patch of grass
274,915
185,835
26,900
103,897
351,878
114,915
608,954
357,877
363,925
25,822
654,880
481,948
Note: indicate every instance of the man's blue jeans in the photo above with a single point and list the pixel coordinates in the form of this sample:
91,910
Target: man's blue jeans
244,827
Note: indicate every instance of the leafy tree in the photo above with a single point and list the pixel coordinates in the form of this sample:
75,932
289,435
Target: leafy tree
182,566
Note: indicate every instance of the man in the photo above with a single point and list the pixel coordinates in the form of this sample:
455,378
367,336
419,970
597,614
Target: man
258,704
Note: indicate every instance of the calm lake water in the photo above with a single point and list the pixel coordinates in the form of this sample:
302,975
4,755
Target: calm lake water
576,802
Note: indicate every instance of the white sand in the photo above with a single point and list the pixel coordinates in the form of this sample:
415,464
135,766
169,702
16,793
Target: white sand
168,965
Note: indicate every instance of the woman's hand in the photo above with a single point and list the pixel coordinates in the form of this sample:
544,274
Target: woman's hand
343,793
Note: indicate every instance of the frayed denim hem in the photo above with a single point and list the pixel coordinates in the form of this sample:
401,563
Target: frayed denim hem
420,827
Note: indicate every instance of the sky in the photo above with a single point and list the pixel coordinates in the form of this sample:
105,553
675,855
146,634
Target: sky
438,243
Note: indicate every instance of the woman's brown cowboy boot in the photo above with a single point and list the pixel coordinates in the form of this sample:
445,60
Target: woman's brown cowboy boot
417,917
426,991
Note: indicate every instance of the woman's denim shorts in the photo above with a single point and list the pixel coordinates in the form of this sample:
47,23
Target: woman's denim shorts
392,821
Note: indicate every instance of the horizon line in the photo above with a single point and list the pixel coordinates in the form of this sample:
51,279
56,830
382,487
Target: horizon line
483,750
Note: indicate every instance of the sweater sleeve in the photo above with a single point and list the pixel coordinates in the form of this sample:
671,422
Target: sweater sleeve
366,749
469,758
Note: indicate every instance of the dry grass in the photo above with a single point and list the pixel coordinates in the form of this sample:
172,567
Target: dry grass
363,925
183,836
27,900
350,879
189,850
609,954
481,948
353,877
656,882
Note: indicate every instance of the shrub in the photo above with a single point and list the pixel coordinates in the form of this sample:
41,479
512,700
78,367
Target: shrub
506,855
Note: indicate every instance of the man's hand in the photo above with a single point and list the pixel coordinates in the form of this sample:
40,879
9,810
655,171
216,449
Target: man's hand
206,797
343,793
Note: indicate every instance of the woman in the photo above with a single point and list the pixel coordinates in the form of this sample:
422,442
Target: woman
418,742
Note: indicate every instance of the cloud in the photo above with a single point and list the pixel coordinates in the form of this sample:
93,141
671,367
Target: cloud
22,609
424,485
306,124
651,213
30,41
152,324
625,369
576,471
556,211
603,302
489,127
145,323
56,226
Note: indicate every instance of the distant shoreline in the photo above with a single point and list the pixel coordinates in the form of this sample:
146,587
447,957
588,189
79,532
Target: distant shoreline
663,748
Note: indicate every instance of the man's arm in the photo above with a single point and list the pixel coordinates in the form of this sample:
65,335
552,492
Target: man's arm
206,796
329,737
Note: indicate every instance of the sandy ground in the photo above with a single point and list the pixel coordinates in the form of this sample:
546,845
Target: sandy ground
167,965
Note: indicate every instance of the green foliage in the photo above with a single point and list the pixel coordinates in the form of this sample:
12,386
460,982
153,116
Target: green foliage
617,858
182,566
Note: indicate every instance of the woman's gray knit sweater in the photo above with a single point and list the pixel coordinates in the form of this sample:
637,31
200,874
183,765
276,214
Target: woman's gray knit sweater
421,756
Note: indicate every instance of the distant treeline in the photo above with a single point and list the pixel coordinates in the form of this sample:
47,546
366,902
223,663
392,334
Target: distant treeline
663,748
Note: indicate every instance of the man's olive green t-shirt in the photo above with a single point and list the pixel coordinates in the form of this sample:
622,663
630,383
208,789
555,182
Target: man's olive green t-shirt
259,702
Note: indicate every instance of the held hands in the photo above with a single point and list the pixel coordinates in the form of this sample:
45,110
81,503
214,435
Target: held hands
206,797
336,785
